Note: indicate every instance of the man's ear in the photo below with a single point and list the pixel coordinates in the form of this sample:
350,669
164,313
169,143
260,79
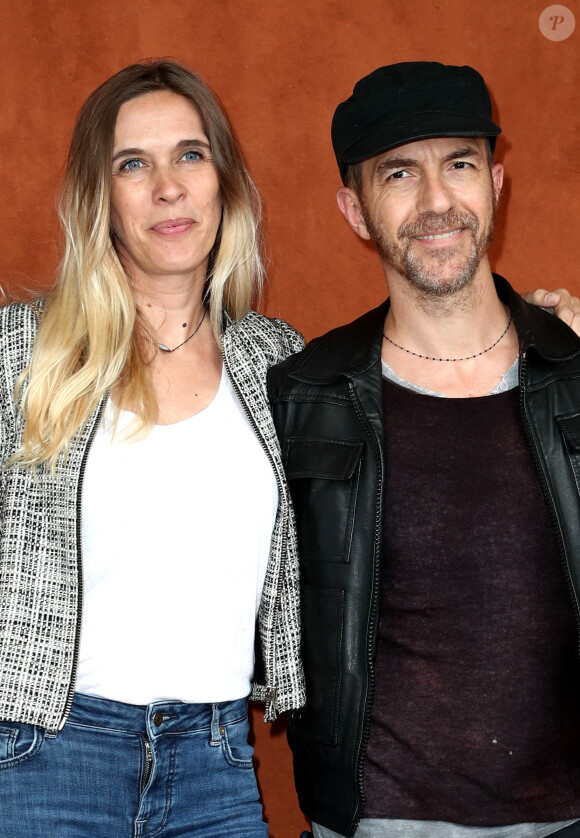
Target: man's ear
497,178
349,205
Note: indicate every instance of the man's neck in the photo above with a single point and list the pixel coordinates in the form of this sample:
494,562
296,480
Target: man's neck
464,325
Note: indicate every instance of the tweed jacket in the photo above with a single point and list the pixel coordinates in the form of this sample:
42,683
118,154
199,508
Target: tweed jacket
41,579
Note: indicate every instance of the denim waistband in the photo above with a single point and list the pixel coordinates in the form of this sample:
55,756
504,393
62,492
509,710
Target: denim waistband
159,717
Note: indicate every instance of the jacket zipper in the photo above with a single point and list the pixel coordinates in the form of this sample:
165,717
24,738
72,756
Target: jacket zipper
80,584
547,496
271,690
374,607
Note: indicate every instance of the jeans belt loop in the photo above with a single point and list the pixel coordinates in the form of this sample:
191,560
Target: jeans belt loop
215,726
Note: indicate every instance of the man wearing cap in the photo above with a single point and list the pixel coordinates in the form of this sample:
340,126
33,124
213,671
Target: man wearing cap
432,449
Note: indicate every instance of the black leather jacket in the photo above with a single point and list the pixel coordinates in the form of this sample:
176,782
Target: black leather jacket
328,413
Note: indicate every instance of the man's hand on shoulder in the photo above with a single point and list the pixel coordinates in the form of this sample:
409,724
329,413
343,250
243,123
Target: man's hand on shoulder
565,305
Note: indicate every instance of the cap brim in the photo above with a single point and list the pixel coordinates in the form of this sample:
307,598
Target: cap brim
423,126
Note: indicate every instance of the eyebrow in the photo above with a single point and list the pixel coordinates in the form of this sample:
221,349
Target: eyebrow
394,163
468,151
130,152
391,163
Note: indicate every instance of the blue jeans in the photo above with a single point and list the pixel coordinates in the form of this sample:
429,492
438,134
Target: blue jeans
168,769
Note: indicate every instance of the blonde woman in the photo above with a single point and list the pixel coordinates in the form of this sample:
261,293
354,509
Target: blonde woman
145,522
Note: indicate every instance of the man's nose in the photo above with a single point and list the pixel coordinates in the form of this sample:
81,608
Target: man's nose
435,194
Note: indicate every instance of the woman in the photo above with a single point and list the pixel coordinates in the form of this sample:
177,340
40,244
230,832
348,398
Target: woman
145,518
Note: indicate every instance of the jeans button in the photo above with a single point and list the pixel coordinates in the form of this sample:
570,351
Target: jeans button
222,730
158,719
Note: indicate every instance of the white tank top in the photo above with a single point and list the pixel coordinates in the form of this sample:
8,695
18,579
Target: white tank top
176,531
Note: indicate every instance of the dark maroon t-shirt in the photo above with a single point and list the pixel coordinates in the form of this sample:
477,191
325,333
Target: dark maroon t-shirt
476,718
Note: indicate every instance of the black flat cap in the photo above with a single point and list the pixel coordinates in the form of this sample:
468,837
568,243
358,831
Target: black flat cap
414,100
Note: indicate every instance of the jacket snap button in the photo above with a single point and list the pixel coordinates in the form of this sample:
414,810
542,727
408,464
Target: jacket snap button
158,719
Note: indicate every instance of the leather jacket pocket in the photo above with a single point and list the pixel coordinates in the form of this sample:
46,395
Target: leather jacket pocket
322,619
323,476
569,424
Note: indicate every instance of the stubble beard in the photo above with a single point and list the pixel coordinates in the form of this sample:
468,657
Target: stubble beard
444,272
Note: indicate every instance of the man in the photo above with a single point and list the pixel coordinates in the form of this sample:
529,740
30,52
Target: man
433,453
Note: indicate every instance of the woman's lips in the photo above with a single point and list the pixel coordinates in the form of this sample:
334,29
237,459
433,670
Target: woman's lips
173,226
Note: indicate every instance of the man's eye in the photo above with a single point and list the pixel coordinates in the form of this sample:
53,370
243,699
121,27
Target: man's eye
402,173
461,164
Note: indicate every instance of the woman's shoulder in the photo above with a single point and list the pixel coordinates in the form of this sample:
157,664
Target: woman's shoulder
276,338
18,327
17,316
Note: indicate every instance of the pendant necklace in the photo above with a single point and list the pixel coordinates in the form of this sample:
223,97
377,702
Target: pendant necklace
164,348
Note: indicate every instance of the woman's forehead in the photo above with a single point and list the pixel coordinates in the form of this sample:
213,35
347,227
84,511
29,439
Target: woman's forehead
158,116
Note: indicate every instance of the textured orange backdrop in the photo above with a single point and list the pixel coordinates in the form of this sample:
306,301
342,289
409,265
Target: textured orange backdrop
280,69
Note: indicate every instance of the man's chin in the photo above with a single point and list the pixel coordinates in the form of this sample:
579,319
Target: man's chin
441,274
440,283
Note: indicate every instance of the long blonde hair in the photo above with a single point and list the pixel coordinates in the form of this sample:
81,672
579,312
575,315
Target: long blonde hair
90,338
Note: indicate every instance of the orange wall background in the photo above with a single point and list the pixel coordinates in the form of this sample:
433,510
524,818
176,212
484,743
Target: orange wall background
280,69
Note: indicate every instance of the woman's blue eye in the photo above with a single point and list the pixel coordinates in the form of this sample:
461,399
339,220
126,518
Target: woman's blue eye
191,156
131,165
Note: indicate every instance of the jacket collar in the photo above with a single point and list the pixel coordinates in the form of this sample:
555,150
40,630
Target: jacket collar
351,350
348,350
537,328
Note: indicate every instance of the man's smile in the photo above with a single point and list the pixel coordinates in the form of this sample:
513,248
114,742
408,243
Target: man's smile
434,236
